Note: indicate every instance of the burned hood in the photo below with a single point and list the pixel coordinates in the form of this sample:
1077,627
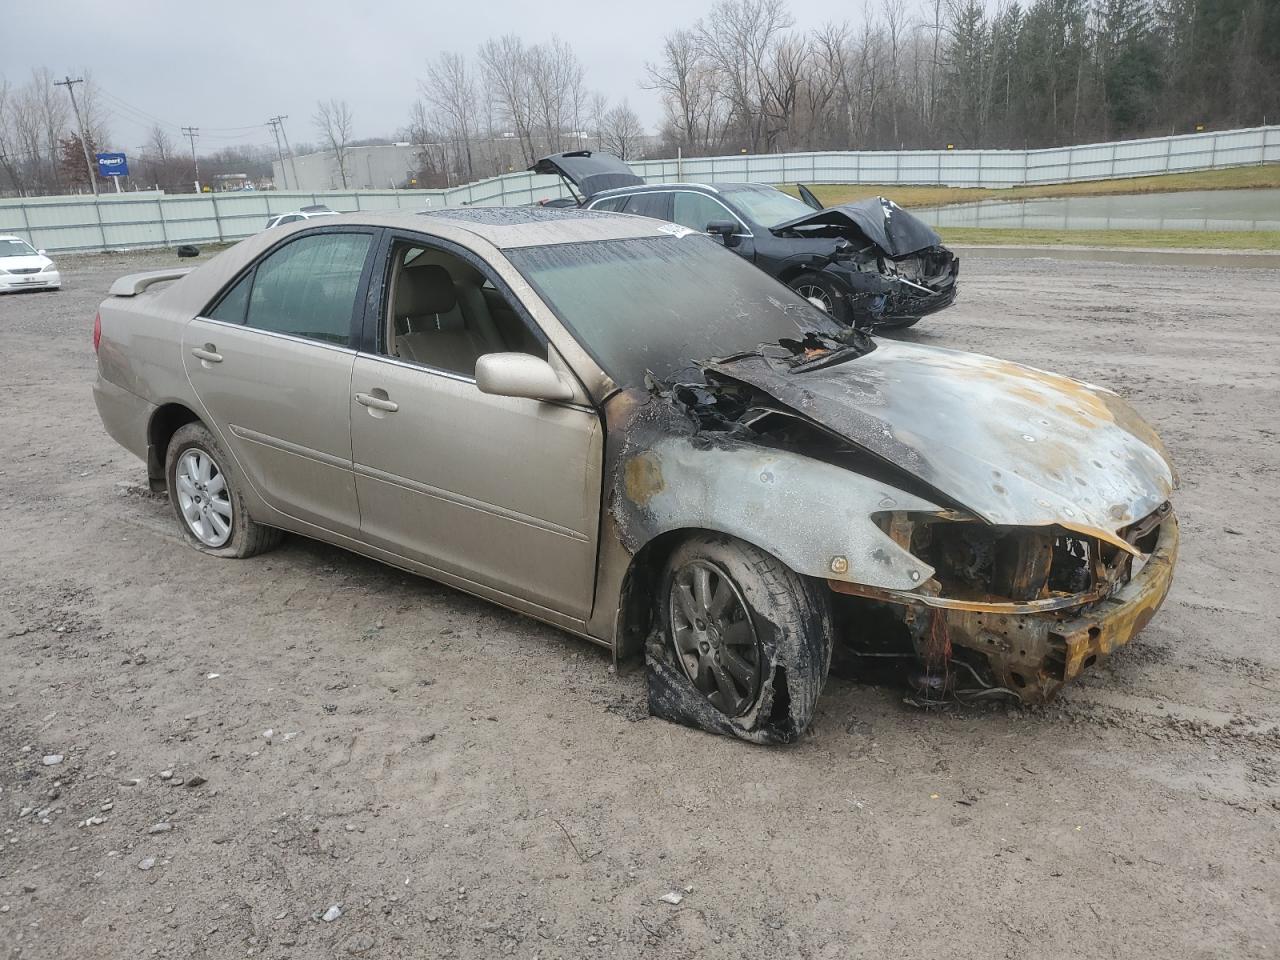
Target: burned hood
1012,444
882,221
590,172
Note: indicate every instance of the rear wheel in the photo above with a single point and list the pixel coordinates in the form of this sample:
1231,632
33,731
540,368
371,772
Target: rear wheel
743,645
206,497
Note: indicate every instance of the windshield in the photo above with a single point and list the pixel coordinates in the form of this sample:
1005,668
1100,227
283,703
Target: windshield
656,304
765,205
13,247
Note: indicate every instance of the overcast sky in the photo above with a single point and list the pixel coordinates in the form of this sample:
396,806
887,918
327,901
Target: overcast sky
230,64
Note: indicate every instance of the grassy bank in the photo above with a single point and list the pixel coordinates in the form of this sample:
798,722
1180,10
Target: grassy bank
1162,239
1237,178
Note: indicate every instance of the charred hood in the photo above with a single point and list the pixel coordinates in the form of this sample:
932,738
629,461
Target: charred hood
1014,445
883,222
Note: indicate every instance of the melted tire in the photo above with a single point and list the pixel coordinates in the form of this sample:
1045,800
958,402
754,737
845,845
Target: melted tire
247,536
792,619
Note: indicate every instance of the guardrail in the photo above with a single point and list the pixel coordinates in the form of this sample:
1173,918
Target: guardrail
127,221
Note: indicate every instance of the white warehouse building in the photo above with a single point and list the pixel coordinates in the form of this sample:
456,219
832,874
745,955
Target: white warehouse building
383,167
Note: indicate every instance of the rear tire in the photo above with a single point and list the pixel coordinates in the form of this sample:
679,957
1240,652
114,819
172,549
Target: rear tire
742,645
206,495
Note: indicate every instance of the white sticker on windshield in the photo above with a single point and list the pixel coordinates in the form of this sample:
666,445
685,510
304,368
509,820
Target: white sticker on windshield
676,230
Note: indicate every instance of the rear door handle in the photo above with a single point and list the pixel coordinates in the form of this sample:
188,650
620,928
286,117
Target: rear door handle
377,403
207,353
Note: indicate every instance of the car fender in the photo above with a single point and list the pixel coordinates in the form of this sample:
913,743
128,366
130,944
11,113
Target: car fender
815,517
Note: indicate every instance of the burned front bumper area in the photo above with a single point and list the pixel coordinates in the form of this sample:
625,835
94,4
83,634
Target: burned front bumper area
1030,649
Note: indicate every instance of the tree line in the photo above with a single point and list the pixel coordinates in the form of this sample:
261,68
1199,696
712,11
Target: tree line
963,73
967,73
744,78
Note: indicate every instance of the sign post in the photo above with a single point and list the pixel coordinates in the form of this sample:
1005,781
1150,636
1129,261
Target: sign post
113,165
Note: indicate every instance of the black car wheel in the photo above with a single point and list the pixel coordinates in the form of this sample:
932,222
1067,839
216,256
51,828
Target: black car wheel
823,290
743,644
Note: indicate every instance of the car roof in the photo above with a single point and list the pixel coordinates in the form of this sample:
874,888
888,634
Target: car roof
511,227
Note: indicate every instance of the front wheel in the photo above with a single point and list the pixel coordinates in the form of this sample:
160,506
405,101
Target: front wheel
824,292
207,499
743,643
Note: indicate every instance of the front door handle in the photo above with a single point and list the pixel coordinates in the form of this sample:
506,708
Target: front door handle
208,353
377,403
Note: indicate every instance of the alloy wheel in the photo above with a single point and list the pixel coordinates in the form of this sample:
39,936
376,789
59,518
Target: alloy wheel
203,497
715,639
812,292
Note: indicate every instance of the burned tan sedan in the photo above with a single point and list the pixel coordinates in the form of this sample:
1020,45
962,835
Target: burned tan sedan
620,428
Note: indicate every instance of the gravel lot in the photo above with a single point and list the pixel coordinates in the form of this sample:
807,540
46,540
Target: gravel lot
316,729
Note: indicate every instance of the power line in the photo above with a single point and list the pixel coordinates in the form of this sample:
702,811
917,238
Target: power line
84,143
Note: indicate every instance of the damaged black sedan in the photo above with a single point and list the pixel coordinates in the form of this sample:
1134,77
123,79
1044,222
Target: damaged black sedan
869,263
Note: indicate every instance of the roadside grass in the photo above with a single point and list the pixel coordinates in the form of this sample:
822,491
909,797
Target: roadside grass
1162,239
1262,176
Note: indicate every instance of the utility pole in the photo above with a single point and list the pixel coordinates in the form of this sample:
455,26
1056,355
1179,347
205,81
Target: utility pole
84,143
191,133
289,150
274,123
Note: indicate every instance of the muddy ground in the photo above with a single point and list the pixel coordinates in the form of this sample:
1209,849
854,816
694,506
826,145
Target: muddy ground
464,782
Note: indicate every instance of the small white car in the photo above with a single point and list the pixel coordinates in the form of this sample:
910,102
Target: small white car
23,267
304,213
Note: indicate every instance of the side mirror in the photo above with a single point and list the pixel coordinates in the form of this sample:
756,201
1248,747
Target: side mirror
726,230
187,250
41,252
520,375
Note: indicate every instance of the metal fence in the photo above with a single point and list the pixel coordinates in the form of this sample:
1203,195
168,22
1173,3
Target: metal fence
126,221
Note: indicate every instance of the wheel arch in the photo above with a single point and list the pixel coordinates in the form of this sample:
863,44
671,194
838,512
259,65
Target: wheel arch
637,598
165,421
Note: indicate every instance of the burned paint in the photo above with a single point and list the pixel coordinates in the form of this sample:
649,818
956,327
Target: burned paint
642,478
1035,496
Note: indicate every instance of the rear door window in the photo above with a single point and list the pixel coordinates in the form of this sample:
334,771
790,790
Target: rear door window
656,204
308,288
612,204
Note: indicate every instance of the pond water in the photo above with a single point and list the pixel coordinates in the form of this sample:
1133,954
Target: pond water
1192,210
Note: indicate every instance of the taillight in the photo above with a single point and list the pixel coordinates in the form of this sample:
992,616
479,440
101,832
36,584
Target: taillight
97,331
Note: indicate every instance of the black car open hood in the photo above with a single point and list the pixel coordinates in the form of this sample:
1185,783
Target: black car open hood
882,221
589,172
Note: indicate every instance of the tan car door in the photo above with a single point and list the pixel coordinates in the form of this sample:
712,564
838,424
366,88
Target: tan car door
271,365
501,492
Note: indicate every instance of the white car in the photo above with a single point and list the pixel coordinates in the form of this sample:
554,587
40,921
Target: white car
305,213
23,267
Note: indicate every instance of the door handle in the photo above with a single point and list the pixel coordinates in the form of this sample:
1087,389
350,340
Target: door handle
377,403
208,353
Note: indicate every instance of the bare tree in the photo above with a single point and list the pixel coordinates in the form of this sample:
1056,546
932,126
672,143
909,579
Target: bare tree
333,122
451,88
622,132
690,94
506,67
738,37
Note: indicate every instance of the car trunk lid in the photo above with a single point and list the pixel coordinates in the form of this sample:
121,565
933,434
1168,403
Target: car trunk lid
589,172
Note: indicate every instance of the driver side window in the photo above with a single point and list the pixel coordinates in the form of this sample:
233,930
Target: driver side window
696,210
444,313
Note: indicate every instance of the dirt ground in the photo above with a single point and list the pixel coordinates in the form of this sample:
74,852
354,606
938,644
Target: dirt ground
246,744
